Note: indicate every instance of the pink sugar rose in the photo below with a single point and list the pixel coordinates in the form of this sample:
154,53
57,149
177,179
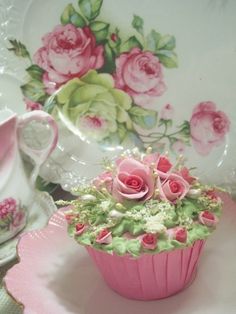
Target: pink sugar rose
139,73
149,241
208,127
104,180
134,181
104,237
67,52
207,218
179,234
184,172
80,228
172,188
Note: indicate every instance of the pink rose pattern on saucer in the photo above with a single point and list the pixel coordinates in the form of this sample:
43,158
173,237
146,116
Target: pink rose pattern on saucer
11,216
134,64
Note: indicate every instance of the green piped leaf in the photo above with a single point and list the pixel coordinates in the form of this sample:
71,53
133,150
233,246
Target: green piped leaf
137,24
133,247
90,8
84,239
119,245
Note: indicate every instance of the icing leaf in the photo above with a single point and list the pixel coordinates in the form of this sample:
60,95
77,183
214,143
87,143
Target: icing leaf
133,247
119,245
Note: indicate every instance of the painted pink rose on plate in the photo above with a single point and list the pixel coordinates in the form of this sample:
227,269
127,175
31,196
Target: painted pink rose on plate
133,181
139,73
208,127
68,52
31,105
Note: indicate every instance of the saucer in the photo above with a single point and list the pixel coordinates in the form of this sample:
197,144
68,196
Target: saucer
38,216
64,280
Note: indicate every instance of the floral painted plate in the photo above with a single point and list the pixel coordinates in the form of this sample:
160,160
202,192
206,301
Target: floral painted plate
38,216
118,75
64,280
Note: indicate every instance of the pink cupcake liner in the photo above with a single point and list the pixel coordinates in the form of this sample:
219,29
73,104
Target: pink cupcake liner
151,276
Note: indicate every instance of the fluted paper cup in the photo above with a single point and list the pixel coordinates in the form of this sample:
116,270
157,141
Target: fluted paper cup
150,276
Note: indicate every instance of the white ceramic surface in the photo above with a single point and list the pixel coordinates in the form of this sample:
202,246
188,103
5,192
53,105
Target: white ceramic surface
39,213
64,280
206,72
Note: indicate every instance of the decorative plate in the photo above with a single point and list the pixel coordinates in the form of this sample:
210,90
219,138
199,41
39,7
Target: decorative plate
64,280
119,75
38,216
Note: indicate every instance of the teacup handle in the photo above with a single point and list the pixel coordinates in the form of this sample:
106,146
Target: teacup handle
39,156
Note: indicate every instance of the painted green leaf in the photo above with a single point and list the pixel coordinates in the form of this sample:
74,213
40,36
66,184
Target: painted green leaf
77,20
185,129
19,49
66,14
168,58
70,15
34,90
100,30
109,64
90,8
137,24
132,140
168,122
166,42
152,40
145,118
132,42
121,131
43,185
35,72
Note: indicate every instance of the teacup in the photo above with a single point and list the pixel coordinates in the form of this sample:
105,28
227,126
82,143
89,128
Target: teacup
16,186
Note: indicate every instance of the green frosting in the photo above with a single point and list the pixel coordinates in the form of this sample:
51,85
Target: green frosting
129,222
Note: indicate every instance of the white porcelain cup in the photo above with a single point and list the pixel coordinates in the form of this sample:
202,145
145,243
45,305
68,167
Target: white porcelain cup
16,186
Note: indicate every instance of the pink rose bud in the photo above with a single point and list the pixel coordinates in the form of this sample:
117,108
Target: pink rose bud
149,241
167,112
79,228
114,37
181,235
207,218
212,195
163,164
69,217
186,175
104,237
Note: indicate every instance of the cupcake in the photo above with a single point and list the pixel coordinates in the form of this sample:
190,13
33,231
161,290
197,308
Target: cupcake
144,222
